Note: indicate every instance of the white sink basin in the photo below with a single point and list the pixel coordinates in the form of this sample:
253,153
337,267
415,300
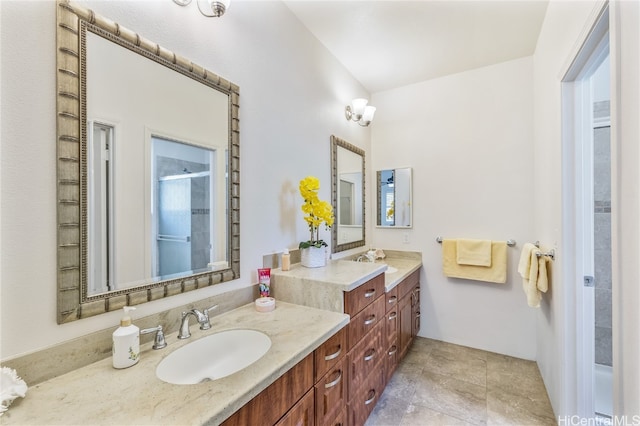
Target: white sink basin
390,270
213,357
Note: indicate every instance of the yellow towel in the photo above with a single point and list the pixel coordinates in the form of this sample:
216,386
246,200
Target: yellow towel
497,273
525,260
533,270
473,252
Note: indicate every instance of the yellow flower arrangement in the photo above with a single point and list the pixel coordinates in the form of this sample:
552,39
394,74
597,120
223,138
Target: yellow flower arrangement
316,211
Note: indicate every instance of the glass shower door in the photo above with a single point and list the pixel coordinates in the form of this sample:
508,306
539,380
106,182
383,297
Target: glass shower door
174,226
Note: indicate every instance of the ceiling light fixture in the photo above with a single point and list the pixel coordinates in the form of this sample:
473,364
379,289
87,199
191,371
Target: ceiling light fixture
360,112
210,8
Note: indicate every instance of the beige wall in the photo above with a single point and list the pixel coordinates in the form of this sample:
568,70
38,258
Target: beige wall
468,138
292,98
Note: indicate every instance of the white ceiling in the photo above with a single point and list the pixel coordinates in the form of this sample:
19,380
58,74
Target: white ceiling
389,44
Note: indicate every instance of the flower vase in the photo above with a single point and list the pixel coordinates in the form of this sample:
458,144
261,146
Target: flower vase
313,257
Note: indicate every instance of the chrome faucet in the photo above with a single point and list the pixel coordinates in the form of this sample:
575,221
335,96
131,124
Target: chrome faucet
201,316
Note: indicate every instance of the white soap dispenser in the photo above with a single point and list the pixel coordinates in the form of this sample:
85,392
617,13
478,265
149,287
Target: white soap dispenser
126,342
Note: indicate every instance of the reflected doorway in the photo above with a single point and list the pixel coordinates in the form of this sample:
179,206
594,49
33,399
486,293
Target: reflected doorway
183,192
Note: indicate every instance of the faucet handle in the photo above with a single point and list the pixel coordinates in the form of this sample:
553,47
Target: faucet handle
159,342
206,325
206,311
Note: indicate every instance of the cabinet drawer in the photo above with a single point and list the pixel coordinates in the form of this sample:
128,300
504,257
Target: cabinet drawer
330,353
366,397
365,321
391,359
364,358
273,402
341,419
331,393
392,299
391,324
406,286
355,300
301,414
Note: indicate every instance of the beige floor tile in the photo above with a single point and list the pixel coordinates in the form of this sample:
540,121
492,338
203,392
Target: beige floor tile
505,408
459,365
417,415
454,397
440,383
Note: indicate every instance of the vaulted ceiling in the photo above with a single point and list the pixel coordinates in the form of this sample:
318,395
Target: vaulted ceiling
389,44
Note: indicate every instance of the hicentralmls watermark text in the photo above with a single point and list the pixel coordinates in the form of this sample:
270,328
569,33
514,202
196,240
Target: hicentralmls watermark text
599,421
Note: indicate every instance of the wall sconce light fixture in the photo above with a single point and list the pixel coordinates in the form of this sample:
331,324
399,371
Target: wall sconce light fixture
210,8
360,112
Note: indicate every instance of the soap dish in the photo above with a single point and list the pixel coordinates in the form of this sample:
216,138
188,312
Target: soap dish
265,304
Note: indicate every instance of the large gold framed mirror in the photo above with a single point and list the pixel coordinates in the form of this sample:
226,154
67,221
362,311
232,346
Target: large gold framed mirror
148,174
348,199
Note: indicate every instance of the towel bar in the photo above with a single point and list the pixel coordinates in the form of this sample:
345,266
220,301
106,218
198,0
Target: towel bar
551,253
510,243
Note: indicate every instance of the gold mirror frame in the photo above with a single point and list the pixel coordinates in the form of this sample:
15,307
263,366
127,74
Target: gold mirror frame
335,143
72,22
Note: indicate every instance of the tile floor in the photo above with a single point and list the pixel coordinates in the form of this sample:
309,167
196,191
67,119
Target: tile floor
439,383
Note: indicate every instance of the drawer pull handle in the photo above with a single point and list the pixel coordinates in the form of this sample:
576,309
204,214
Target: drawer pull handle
418,314
370,320
392,299
370,293
372,392
334,355
372,353
393,350
392,316
335,381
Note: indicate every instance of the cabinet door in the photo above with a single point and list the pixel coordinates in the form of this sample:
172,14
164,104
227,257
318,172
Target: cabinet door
331,394
301,414
392,322
406,325
391,360
415,319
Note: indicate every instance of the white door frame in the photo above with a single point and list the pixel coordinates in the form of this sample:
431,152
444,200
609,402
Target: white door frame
579,352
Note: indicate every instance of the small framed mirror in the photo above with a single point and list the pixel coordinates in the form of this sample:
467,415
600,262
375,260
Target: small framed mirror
394,204
347,183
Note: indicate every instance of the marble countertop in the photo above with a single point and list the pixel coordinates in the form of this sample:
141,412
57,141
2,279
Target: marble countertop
100,394
405,266
323,287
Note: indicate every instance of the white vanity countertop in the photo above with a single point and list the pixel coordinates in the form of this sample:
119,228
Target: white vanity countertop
405,266
324,287
100,394
338,273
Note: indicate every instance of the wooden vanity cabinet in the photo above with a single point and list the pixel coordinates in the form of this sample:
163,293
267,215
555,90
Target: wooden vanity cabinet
366,343
313,392
392,324
301,414
331,374
409,311
270,405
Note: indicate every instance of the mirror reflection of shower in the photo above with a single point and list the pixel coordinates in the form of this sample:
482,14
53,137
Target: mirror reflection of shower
184,233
